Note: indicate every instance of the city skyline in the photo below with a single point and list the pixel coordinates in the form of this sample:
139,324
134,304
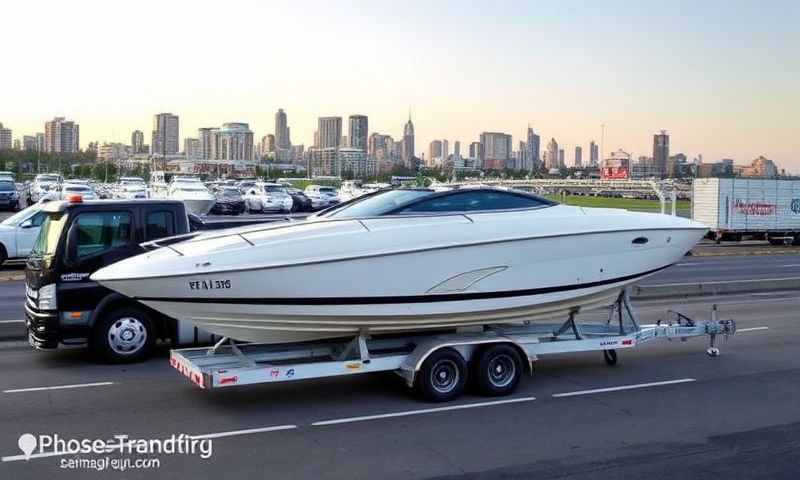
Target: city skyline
634,82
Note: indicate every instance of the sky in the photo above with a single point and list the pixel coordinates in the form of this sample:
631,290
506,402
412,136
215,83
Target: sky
722,77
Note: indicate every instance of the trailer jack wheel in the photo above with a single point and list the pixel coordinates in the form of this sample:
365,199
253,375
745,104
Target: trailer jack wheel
713,352
610,356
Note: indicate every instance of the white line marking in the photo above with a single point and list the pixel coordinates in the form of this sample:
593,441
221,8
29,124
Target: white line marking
752,329
791,265
12,321
420,412
623,387
249,431
59,387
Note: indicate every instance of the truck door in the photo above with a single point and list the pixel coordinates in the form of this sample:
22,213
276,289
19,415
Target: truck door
98,239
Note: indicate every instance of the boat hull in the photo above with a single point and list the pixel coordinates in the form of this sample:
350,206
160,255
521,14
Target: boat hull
506,281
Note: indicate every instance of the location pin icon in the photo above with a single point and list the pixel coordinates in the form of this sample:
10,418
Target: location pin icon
27,443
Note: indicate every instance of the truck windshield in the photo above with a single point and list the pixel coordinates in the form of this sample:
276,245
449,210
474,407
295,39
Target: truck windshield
47,241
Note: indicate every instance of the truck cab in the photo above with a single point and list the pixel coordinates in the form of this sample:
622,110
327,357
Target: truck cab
65,307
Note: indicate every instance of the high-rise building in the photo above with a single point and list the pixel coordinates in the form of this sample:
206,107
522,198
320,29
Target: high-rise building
496,148
661,152
40,143
434,151
408,143
457,149
235,142
562,163
192,149
282,139
533,157
357,134
353,162
5,138
476,153
166,134
329,132
29,143
578,157
137,142
207,138
594,154
61,136
552,155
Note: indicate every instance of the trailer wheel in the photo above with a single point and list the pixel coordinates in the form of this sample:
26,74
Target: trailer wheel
124,335
610,356
442,376
498,370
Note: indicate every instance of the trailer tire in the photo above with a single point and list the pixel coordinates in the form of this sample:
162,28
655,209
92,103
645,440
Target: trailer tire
498,369
443,376
124,335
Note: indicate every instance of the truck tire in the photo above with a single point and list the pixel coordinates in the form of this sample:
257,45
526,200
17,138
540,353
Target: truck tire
3,254
443,376
124,335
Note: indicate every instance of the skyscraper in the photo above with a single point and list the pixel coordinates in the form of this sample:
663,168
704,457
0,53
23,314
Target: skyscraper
29,143
552,155
578,157
191,148
594,154
561,158
207,139
235,141
434,151
329,132
496,148
40,143
61,136
137,142
661,152
408,143
457,149
533,157
476,152
166,134
5,138
282,139
357,134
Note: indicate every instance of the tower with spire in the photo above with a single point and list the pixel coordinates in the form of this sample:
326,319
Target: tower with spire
408,143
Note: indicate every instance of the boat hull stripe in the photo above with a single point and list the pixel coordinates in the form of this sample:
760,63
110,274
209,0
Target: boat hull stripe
429,298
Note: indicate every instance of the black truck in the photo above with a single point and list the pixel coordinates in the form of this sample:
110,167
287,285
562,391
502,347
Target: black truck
63,306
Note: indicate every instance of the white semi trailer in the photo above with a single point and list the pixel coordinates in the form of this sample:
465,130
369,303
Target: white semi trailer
737,207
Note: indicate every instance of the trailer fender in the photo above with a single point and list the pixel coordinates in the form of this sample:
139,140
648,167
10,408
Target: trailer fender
467,349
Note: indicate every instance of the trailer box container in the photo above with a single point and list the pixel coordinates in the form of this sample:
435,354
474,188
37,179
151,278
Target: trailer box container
737,206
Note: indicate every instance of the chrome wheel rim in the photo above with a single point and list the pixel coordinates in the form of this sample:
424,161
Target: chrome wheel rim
502,370
127,336
445,376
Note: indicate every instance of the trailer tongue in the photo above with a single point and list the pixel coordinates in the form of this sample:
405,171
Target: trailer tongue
438,363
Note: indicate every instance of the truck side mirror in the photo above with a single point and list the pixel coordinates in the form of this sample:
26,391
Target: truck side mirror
28,223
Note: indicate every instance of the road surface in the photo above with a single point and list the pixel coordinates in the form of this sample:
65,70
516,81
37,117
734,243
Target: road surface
668,411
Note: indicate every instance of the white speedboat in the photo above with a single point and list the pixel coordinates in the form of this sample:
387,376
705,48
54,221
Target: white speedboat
404,260
193,193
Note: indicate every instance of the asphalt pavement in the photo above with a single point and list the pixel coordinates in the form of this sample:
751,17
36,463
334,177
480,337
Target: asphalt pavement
665,411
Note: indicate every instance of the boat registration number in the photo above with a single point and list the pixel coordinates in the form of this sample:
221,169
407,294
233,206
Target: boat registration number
209,284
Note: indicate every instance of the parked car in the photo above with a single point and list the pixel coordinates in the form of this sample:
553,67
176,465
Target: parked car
300,202
268,197
9,197
322,196
18,232
229,201
42,184
85,191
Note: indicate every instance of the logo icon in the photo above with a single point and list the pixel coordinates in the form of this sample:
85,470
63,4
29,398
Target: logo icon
27,443
795,206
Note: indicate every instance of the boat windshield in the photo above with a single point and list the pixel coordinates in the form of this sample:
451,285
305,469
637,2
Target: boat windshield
377,204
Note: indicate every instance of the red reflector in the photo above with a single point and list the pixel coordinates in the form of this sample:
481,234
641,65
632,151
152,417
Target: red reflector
74,198
627,342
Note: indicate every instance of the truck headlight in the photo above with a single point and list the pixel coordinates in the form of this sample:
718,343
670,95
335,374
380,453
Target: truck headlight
47,297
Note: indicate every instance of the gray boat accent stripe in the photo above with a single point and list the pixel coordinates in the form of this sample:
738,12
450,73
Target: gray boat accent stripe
429,298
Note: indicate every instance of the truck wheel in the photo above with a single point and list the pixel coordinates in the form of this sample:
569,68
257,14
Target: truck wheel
498,369
3,254
443,376
124,335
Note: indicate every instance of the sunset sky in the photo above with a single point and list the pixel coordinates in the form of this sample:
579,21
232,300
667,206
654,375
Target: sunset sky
723,77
